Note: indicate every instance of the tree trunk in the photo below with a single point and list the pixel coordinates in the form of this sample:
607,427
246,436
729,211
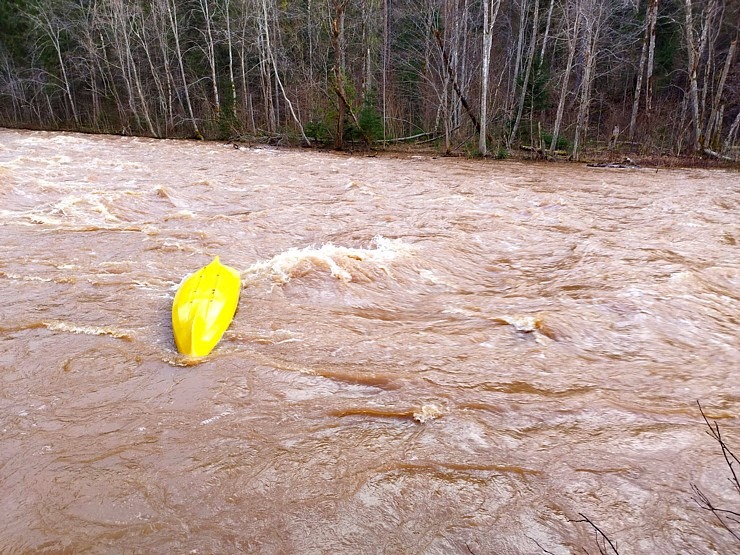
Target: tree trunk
229,41
730,139
594,15
547,31
652,25
511,100
337,34
455,85
386,55
527,72
52,29
638,85
172,13
490,13
712,132
693,67
277,75
695,53
211,53
572,42
130,63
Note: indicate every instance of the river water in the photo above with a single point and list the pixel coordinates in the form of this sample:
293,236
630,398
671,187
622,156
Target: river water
429,356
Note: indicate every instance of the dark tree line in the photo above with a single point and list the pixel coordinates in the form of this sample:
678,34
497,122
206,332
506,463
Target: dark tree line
477,76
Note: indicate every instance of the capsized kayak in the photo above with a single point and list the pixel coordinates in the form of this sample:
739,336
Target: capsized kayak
203,308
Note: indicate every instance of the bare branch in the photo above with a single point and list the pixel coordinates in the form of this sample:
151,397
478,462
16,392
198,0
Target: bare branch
724,516
540,546
600,535
730,458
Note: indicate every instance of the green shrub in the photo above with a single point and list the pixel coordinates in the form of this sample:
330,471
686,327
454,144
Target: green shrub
562,144
318,130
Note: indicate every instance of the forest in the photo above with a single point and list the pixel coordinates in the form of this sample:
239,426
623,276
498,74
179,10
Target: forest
472,77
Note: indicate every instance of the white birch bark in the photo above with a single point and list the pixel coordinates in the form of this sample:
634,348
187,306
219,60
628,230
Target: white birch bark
638,85
714,123
572,37
527,72
210,51
277,74
490,13
652,25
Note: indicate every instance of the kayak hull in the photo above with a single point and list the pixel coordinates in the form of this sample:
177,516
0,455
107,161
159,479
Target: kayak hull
204,307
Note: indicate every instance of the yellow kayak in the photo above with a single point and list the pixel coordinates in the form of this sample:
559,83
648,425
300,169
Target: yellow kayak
203,308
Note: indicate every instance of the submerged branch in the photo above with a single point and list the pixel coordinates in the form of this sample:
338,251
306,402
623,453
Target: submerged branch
600,535
729,456
728,519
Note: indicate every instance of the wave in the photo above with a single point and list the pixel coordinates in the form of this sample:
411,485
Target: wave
20,277
423,414
88,330
343,263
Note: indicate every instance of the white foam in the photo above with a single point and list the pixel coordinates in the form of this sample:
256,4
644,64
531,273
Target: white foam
87,330
338,260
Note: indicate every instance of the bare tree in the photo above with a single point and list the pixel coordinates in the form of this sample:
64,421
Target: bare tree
594,14
527,72
731,134
123,18
271,55
229,42
490,13
210,49
171,6
648,50
547,31
714,122
572,33
652,26
54,27
695,54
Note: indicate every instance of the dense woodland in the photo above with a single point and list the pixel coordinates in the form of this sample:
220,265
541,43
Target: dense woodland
555,77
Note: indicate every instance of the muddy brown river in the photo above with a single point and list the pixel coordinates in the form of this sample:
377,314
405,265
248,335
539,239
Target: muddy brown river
430,356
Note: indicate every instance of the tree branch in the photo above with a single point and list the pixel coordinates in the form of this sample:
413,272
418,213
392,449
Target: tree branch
600,534
723,515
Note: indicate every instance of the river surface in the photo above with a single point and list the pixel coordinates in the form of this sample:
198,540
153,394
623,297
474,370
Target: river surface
430,356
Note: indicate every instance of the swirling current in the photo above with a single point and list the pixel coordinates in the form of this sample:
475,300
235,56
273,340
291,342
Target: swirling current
430,355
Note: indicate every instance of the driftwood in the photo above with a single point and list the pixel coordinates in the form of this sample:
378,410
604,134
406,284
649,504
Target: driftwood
627,163
431,134
718,156
614,165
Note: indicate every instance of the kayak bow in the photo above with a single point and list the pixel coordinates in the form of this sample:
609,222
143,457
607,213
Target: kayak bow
203,308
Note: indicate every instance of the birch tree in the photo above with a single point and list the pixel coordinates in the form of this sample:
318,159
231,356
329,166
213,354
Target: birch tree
210,49
594,15
271,55
695,49
572,33
230,45
490,13
714,122
647,56
527,72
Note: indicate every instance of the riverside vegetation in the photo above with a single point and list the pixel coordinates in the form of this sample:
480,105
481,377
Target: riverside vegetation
476,77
